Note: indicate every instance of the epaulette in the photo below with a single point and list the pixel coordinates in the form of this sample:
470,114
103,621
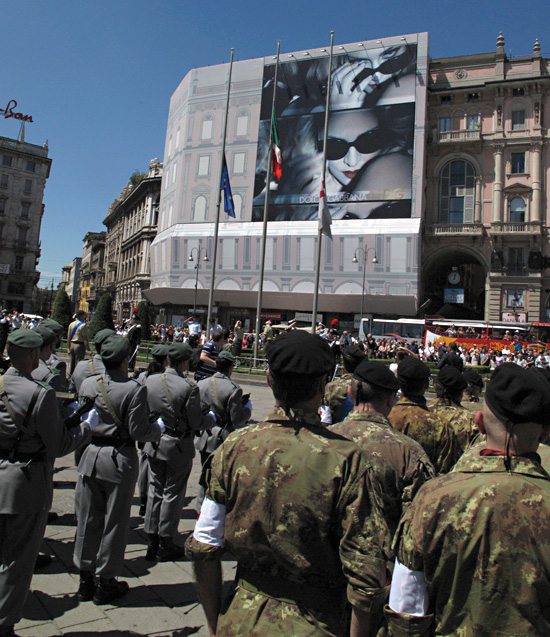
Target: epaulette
42,384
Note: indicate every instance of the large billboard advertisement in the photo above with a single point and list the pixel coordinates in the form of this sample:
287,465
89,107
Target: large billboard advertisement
370,134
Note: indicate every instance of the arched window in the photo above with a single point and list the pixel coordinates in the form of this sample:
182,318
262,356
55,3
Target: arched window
238,203
517,210
199,208
457,192
207,127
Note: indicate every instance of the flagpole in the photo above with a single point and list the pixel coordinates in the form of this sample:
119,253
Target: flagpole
216,227
323,175
266,208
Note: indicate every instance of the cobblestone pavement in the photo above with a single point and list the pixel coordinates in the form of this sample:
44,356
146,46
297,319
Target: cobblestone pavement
162,600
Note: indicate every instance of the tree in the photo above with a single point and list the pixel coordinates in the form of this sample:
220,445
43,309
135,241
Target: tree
62,311
143,315
103,317
136,177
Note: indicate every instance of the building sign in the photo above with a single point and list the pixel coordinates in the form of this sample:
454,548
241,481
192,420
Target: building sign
9,112
4,268
453,295
514,317
270,316
370,134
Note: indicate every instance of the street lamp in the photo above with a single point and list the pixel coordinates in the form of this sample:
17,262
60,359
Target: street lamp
356,260
197,268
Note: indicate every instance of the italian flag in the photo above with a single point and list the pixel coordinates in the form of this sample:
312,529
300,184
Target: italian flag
277,157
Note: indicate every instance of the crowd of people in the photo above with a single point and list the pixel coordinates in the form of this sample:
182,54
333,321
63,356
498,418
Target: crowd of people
357,506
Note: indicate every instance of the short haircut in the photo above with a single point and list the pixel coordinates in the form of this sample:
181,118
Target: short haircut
226,332
217,336
290,390
366,393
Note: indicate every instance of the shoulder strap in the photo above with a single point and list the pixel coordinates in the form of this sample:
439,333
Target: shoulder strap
92,369
108,402
216,395
4,397
167,392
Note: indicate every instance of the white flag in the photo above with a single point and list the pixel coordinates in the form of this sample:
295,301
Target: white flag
324,215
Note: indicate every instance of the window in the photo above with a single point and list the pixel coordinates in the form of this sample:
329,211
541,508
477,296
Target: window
207,127
16,288
3,181
174,173
446,99
178,134
306,254
518,92
31,166
203,169
227,261
457,189
246,254
175,251
472,122
518,120
2,206
398,254
21,235
473,97
25,209
169,146
517,210
242,124
6,160
286,252
199,208
518,163
444,124
516,260
239,163
238,203
19,262
28,186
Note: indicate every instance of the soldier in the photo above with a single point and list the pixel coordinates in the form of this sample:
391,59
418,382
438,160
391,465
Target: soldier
237,345
336,396
108,472
473,555
295,504
4,332
267,336
475,385
134,336
44,372
177,401
32,435
54,362
451,357
77,339
449,387
411,415
87,368
400,464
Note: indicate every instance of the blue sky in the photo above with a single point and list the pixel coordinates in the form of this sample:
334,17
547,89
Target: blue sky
97,76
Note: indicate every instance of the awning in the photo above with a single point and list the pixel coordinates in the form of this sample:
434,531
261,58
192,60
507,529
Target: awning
402,305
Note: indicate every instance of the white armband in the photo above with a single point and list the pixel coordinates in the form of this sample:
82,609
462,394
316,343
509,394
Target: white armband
408,592
326,416
210,526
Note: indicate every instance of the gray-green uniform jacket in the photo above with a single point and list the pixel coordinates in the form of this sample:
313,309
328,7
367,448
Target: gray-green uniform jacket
46,374
85,369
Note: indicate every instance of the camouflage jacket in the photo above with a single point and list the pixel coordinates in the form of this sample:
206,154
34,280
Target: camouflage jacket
434,435
336,393
481,535
399,463
462,420
303,509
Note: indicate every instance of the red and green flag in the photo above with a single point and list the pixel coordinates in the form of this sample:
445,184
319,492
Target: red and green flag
277,158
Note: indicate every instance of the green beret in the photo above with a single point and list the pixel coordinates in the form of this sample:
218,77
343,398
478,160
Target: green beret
516,395
377,374
48,336
450,378
180,351
412,370
299,353
27,339
54,326
160,350
225,354
115,349
103,335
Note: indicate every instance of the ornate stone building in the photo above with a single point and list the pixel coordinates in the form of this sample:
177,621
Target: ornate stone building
485,249
131,227
92,273
24,169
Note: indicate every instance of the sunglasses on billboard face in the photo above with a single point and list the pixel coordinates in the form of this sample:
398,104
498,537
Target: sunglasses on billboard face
365,144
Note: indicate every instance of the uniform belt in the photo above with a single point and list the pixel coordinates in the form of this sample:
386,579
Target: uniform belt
111,441
22,456
174,433
318,598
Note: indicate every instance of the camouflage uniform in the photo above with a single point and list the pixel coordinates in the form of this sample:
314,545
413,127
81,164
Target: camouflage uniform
486,562
303,520
435,436
399,463
336,394
462,420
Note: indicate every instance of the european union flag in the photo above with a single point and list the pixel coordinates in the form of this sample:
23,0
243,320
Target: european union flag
228,204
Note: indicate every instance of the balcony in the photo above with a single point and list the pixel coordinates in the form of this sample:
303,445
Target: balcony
458,136
506,227
454,229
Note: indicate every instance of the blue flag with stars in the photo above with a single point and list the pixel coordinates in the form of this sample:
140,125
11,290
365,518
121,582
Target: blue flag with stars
228,204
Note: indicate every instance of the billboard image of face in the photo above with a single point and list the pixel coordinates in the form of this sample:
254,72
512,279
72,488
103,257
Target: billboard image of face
369,145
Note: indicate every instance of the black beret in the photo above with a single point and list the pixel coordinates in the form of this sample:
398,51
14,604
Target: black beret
26,339
376,374
450,378
353,355
516,395
48,336
179,351
115,349
103,335
472,377
300,353
410,369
